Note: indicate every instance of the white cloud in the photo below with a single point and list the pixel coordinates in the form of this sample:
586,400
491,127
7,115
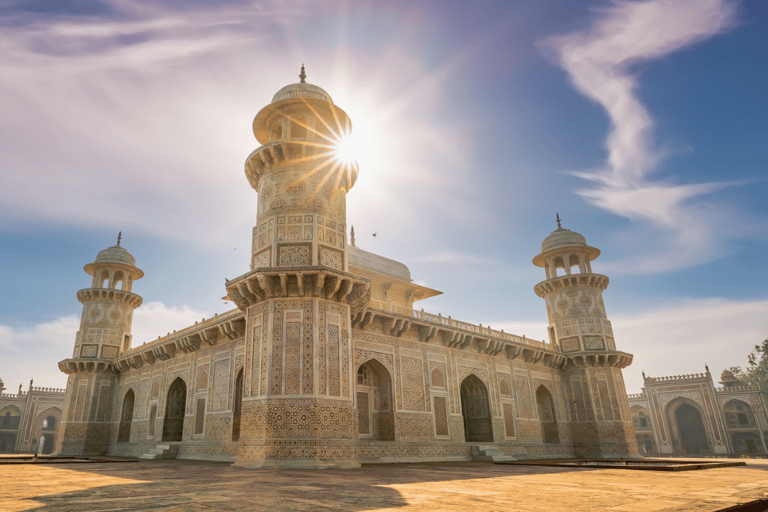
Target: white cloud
599,65
156,319
678,338
34,352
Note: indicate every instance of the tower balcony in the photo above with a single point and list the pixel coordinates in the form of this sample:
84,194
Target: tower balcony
287,151
70,366
554,284
95,294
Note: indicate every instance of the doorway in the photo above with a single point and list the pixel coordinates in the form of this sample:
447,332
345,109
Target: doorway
173,426
475,411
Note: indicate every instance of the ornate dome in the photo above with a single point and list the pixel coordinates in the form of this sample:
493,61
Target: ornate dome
728,376
116,255
302,90
562,237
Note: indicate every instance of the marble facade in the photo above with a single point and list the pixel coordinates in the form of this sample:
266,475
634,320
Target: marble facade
326,362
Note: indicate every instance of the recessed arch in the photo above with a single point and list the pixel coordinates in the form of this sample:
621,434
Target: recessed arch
237,406
475,410
126,417
438,379
546,408
739,414
175,409
10,416
375,409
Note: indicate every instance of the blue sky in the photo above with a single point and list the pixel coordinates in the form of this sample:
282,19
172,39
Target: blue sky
642,123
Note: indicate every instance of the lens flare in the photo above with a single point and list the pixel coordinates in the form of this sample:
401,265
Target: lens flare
345,150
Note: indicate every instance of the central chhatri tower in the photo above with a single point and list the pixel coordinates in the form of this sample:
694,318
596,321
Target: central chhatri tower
299,299
578,325
302,185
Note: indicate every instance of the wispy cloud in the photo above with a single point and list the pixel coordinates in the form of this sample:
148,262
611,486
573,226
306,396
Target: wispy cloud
457,258
599,63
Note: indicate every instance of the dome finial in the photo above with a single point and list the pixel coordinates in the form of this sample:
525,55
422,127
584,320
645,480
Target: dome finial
352,236
557,216
303,75
119,236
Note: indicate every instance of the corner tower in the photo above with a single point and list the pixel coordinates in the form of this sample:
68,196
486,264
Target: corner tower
104,334
578,325
299,299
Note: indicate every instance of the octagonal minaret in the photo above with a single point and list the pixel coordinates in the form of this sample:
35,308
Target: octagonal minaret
299,299
302,185
104,334
601,422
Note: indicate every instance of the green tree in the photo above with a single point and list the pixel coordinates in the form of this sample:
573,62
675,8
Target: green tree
756,373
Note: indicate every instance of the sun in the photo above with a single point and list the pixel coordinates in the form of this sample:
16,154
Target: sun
346,149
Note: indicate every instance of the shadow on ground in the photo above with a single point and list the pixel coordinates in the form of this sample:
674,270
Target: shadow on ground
198,485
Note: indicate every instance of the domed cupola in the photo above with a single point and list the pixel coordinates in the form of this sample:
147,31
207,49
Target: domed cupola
565,249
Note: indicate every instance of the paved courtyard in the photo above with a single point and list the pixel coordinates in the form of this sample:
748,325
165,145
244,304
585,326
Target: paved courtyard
208,486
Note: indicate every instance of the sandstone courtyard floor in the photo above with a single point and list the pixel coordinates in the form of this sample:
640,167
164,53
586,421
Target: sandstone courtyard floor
209,486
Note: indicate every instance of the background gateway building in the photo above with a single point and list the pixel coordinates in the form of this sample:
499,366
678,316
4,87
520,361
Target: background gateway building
325,362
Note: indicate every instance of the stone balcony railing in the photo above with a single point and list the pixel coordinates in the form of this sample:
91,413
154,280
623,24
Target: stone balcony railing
20,394
50,390
477,329
732,389
638,396
678,377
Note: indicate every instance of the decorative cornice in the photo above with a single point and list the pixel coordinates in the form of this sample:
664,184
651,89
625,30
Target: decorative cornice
558,283
96,294
278,282
70,366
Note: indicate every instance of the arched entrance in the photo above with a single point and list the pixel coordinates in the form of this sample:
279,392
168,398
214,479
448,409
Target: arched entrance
690,428
126,417
173,426
375,410
475,410
238,406
546,407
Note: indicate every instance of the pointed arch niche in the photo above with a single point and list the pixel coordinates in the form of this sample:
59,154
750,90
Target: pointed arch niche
475,411
375,409
126,417
173,425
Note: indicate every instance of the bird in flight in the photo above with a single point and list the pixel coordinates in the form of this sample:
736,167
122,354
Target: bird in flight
374,235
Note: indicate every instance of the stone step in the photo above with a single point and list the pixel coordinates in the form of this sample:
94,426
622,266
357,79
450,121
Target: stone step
489,453
161,451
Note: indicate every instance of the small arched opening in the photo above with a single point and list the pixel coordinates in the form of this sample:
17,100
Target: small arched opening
10,416
238,406
475,411
546,408
118,280
375,410
126,417
175,408
739,414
